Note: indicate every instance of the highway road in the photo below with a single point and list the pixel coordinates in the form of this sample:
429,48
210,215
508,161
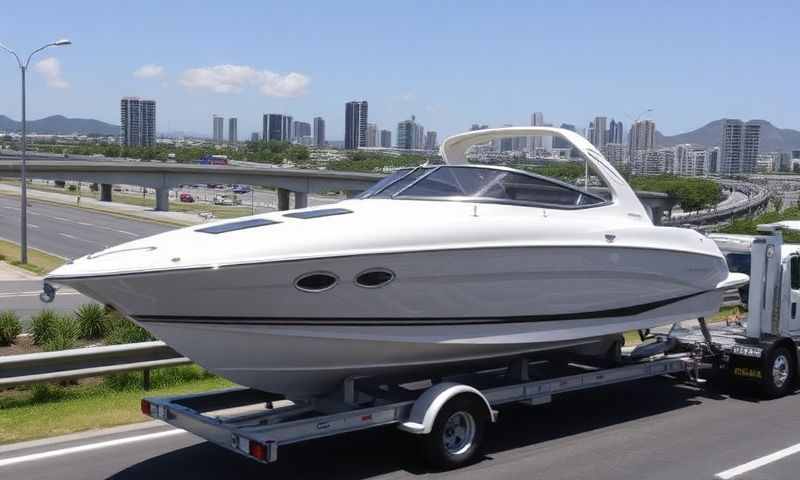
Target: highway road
71,232
653,429
23,297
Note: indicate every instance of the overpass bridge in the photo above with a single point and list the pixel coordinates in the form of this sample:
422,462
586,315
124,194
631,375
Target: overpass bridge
164,176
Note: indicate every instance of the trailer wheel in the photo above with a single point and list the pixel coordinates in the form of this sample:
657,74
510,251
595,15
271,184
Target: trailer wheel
457,433
778,374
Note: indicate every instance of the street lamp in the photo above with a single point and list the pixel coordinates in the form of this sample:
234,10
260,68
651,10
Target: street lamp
23,67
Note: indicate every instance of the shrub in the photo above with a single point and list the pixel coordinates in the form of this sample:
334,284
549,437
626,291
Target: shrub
42,325
92,320
66,331
72,188
159,378
121,330
9,327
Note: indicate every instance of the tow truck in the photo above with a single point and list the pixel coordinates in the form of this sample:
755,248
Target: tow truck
449,414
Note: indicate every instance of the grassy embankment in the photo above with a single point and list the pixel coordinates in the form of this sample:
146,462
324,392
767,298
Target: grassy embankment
39,262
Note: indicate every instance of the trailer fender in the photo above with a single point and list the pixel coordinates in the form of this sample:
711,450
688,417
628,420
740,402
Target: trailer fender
427,406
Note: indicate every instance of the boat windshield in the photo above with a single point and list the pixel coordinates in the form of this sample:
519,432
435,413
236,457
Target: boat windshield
483,184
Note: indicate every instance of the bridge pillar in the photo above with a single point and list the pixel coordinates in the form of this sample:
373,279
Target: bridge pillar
300,199
105,192
657,214
283,199
162,199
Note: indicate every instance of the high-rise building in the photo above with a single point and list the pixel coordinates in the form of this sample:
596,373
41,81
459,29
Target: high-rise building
386,139
300,130
254,137
355,124
319,131
559,142
430,140
233,131
277,127
137,122
690,160
409,134
218,128
506,143
599,132
795,154
712,163
372,135
476,126
615,153
642,137
537,120
738,147
615,134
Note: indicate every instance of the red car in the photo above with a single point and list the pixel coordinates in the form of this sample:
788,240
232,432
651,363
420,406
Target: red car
186,197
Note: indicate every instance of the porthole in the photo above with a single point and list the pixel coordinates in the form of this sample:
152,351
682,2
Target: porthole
316,282
374,278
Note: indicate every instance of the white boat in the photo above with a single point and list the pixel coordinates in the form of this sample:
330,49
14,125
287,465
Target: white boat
437,266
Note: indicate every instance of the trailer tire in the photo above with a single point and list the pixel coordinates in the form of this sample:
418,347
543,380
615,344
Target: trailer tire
457,433
779,373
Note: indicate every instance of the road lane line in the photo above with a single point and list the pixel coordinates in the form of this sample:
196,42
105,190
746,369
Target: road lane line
758,462
62,219
69,236
33,226
88,447
85,224
127,233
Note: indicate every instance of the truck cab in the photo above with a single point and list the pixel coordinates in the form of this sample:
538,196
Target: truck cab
738,252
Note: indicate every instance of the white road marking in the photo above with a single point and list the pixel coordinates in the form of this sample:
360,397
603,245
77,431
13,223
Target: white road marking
85,224
758,462
127,233
62,219
68,236
88,447
32,294
34,213
33,226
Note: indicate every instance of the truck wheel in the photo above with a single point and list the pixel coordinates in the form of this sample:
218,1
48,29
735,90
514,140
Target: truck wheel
778,374
457,433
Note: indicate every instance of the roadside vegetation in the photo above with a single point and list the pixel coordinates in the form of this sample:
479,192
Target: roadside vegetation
39,262
45,410
749,226
692,194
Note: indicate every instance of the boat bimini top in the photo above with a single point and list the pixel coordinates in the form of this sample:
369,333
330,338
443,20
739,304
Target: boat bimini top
457,180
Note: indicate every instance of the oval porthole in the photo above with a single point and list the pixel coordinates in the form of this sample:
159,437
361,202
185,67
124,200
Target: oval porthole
316,282
374,278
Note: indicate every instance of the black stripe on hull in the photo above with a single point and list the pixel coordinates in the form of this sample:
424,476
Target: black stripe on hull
394,321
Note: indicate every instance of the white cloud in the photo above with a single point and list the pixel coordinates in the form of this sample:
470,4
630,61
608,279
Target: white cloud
235,78
50,68
149,71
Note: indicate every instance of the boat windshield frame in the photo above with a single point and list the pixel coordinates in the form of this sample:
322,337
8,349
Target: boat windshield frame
398,195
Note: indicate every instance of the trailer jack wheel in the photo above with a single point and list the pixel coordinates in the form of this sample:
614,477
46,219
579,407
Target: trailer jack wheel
779,373
457,433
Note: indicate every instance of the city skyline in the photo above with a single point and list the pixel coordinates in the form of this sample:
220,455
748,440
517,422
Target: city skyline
193,75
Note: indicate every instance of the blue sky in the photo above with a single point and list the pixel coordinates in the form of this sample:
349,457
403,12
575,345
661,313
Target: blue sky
451,63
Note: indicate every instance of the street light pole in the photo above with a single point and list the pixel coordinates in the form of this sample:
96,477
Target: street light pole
23,67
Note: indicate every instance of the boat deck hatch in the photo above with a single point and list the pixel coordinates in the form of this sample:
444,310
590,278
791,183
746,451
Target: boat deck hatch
325,212
233,226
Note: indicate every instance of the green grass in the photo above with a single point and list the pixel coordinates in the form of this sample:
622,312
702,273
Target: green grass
39,262
47,410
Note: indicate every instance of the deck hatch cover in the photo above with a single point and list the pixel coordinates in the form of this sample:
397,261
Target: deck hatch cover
325,212
233,226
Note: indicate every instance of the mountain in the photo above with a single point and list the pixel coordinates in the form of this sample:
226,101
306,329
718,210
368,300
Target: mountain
773,139
60,125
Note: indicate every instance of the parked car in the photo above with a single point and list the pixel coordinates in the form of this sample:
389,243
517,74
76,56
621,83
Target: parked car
186,197
241,189
227,199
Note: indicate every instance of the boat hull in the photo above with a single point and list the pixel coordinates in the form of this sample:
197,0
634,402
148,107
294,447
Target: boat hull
251,324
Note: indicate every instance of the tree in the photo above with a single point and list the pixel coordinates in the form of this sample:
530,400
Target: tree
777,202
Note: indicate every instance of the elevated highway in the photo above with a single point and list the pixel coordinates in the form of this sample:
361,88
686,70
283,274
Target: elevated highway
163,176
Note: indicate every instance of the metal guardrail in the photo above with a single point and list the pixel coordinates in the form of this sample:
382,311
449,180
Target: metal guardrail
77,363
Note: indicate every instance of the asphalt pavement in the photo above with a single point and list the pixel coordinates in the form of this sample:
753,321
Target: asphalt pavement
23,298
68,231
654,429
